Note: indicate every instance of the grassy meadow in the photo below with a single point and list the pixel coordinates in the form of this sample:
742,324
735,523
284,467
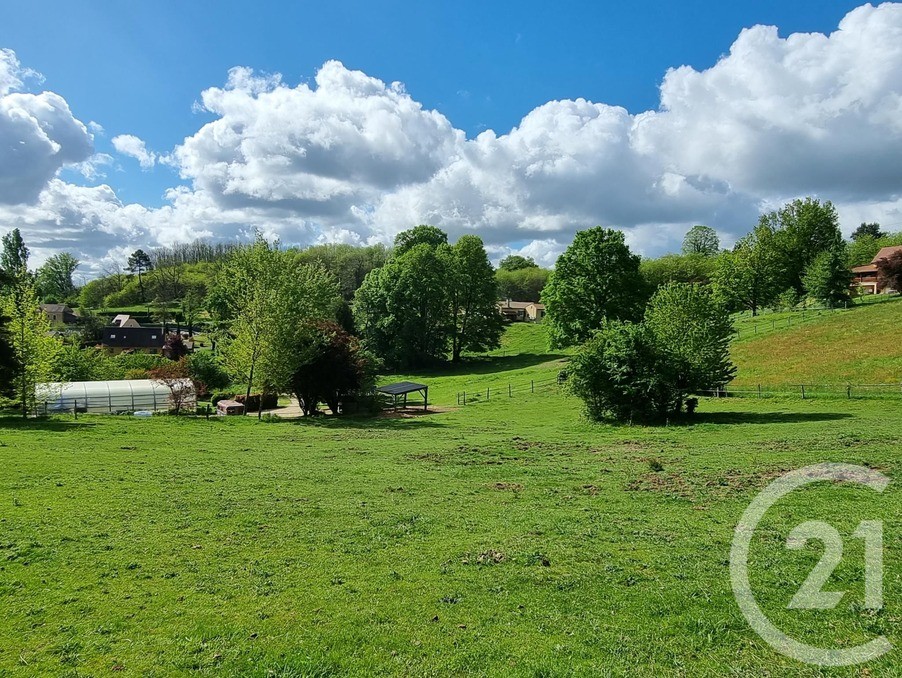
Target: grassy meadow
860,346
506,537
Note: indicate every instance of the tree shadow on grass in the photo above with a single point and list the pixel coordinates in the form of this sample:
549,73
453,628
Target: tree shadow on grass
412,418
372,423
16,423
760,418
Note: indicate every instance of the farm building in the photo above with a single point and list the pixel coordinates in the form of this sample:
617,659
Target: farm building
107,397
59,314
866,279
519,311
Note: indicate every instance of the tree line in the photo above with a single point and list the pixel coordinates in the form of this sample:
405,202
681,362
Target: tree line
275,313
653,332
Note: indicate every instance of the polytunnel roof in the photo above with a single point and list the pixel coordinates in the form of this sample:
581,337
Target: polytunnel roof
118,387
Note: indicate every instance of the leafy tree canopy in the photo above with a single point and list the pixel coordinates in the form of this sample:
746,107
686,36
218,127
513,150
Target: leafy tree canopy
333,365
803,229
419,235
693,328
515,262
595,279
828,278
702,241
54,278
868,229
686,268
472,295
522,284
14,256
751,276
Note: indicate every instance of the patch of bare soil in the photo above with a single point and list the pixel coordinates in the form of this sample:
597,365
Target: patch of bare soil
411,412
671,484
513,487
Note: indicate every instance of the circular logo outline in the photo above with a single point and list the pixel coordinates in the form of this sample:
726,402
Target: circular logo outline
739,574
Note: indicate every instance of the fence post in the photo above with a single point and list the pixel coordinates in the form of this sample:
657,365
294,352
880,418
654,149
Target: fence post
487,393
849,391
759,390
509,392
532,386
803,391
465,397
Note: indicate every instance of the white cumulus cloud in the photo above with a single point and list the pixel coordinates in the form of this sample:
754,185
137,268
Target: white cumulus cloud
351,158
132,146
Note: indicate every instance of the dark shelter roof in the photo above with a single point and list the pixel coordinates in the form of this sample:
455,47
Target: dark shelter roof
401,387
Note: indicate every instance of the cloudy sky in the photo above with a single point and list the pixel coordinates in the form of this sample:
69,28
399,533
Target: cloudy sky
163,124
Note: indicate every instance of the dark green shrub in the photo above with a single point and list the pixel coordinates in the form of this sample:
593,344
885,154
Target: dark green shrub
206,369
620,374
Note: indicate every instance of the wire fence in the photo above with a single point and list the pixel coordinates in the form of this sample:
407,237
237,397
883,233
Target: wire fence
749,326
762,324
484,394
809,391
510,391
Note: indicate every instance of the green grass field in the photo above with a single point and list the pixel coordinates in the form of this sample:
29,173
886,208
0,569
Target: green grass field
505,537
858,346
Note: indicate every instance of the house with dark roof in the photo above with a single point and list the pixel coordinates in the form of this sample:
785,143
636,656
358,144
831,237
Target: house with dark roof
133,339
59,314
866,280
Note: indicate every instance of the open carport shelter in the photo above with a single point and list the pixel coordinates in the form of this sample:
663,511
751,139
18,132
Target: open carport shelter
401,389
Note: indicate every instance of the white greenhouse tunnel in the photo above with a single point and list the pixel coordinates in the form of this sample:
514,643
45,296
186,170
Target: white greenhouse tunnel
127,395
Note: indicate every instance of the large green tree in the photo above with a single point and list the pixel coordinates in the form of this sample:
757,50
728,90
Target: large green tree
402,311
802,229
686,268
595,279
751,276
693,328
828,277
621,374
54,278
34,347
14,257
139,263
515,262
867,230
522,284
419,235
472,296
702,241
263,295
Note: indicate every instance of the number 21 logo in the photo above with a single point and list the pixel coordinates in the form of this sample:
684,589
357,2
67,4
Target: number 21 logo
811,595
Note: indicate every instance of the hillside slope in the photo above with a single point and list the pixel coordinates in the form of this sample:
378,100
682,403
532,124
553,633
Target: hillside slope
860,346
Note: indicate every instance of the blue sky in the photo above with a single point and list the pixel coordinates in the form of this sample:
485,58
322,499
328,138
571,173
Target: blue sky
137,68
647,116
